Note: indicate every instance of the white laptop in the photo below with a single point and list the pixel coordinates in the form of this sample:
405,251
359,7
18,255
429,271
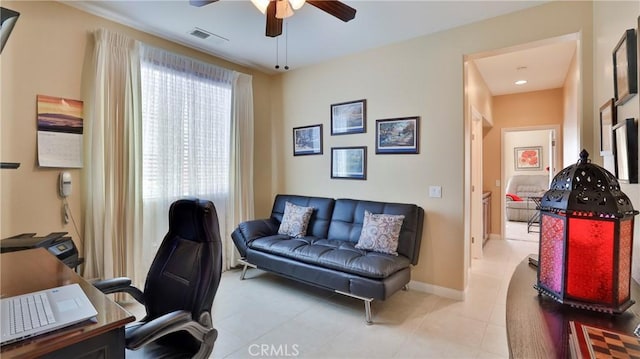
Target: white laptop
43,311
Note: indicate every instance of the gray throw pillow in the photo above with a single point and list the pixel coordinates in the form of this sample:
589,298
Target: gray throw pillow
380,232
295,220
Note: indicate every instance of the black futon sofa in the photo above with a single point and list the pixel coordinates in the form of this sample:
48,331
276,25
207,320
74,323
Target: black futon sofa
326,256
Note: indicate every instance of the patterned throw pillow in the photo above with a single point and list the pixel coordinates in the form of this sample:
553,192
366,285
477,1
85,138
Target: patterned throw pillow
295,220
380,232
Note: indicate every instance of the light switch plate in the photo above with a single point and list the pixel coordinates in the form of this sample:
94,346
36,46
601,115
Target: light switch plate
435,191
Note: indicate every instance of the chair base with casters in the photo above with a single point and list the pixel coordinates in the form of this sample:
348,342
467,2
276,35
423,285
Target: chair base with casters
179,289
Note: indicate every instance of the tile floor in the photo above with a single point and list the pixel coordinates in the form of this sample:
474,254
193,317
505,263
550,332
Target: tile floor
268,316
519,231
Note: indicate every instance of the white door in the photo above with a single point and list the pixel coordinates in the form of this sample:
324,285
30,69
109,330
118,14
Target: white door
552,155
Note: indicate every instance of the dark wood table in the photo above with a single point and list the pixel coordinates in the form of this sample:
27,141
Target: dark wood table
36,269
538,326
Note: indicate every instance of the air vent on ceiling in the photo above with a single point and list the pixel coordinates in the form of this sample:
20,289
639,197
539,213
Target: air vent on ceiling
206,35
199,33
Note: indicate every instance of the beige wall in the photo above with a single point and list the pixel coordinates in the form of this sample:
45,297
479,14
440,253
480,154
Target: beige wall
611,19
478,98
423,77
517,111
45,55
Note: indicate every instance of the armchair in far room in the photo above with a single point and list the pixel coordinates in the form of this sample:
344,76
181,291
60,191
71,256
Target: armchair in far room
180,287
520,189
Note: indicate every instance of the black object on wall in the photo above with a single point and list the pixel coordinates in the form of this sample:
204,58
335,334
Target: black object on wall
8,21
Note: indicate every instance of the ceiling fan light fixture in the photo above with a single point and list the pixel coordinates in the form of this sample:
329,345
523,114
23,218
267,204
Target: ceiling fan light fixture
261,5
296,4
283,9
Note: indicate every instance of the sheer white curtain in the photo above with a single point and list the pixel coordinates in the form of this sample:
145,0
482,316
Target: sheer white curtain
187,126
241,171
112,173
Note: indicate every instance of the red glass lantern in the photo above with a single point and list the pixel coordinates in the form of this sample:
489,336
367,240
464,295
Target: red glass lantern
586,239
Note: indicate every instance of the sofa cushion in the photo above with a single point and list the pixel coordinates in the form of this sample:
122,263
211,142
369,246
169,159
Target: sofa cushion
380,232
295,220
334,254
348,215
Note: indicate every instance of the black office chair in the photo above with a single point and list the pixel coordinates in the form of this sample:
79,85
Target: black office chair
180,287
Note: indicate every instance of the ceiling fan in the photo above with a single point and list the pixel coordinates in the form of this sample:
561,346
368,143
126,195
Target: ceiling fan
276,10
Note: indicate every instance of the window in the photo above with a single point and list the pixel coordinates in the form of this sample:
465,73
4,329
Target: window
186,131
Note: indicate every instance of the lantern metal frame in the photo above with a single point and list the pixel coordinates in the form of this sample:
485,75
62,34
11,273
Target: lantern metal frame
585,191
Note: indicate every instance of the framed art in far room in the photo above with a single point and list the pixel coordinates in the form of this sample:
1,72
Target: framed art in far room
527,158
349,162
307,140
625,67
349,117
398,135
607,121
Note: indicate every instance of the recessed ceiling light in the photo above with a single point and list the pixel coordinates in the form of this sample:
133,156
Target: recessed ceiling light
520,82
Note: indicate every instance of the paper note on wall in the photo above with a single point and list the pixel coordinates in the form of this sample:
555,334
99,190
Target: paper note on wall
58,149
60,128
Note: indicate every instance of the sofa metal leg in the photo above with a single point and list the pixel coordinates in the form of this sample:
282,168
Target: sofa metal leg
367,311
405,288
367,305
246,265
244,271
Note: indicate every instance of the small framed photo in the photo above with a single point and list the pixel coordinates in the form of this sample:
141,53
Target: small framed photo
626,150
625,68
397,135
349,162
528,158
307,140
607,121
349,117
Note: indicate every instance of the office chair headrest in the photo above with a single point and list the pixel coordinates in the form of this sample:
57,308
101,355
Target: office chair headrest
192,219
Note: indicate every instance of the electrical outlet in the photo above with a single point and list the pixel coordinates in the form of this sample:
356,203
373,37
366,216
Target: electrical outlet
435,191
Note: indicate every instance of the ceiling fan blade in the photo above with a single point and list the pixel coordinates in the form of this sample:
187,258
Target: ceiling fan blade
274,25
200,3
336,8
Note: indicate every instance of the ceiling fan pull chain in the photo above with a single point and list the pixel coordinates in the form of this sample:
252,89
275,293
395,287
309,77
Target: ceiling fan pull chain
277,62
286,45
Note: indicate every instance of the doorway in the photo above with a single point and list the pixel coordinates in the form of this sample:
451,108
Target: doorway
491,75
544,140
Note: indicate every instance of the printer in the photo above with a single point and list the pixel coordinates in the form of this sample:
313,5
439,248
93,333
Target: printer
56,243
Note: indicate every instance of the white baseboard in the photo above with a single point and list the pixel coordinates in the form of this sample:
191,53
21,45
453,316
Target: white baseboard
437,290
495,236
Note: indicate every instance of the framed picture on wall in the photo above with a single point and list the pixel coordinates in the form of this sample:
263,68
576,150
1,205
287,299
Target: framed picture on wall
625,67
398,135
626,150
307,140
349,162
349,117
607,121
527,158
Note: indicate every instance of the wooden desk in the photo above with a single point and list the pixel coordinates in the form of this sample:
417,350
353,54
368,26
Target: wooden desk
36,269
538,326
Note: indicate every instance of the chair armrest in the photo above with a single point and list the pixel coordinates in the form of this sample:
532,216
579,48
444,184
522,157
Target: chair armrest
169,323
118,285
